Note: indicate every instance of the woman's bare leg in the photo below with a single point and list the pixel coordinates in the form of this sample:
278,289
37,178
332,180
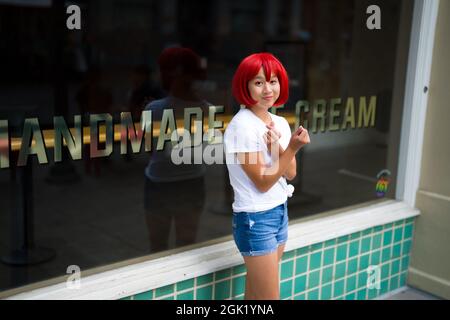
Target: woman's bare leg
262,282
280,251
247,281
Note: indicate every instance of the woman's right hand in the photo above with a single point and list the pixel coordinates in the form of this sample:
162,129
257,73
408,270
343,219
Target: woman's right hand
298,139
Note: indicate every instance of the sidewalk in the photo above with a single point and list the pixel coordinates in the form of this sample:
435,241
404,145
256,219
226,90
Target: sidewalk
409,293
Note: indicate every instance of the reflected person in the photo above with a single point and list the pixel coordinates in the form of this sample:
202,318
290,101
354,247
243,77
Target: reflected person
174,192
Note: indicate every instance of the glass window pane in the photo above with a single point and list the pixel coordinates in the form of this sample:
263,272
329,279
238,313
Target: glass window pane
102,201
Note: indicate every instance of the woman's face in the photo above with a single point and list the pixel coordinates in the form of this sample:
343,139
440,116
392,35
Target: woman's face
262,91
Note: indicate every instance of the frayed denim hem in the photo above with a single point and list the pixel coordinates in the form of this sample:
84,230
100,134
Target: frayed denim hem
262,252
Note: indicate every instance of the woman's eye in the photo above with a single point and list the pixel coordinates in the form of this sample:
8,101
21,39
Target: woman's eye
274,81
258,83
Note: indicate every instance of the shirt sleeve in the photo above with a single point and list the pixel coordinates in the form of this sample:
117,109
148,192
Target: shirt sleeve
242,139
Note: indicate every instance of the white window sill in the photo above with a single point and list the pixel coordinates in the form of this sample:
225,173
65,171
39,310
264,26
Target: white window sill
144,276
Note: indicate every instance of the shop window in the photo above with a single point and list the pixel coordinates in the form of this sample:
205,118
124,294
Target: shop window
104,207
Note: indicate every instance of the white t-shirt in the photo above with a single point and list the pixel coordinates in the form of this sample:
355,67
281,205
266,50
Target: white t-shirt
245,134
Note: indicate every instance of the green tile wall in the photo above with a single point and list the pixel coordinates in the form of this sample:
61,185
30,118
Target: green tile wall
334,269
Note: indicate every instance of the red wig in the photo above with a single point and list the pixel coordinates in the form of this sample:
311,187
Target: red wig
249,68
176,61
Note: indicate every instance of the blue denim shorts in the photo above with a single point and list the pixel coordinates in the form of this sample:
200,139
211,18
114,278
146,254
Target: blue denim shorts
260,233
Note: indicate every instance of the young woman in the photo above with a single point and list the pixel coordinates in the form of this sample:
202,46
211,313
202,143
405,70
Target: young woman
260,155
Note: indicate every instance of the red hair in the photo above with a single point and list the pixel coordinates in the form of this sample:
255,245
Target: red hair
249,68
174,61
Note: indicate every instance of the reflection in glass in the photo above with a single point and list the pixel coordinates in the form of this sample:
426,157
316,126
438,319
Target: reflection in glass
175,193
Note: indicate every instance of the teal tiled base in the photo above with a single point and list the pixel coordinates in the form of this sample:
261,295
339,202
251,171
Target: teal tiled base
359,266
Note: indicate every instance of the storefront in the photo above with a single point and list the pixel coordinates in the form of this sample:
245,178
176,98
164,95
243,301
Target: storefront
81,217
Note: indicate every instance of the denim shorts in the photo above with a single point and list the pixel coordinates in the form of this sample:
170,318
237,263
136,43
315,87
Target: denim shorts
260,233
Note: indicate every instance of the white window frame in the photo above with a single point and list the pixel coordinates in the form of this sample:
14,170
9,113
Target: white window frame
144,276
416,99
